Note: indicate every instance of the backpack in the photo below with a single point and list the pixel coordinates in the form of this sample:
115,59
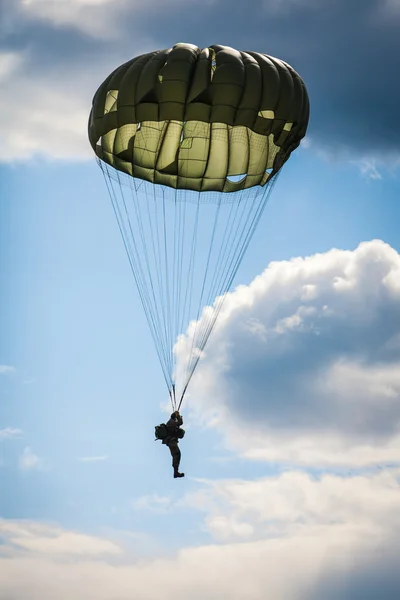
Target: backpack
161,431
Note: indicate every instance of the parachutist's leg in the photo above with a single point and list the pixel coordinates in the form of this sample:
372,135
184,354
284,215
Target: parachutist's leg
176,455
176,458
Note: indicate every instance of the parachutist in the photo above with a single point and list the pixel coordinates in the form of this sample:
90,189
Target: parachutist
172,440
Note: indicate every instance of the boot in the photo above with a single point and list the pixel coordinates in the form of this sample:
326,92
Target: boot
177,474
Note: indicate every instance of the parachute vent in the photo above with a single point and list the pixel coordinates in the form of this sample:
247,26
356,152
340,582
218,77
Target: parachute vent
111,101
266,114
213,58
236,178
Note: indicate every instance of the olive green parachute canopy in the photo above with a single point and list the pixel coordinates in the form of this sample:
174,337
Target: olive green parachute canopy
207,120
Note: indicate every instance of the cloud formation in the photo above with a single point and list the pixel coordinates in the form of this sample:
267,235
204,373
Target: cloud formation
275,506
329,534
10,433
96,18
347,56
29,460
41,538
304,363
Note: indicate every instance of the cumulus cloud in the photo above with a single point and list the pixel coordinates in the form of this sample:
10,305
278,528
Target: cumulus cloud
29,460
51,540
49,79
40,115
304,363
294,500
328,534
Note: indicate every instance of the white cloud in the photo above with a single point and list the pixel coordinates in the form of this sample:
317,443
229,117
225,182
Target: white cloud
43,113
391,7
304,364
5,369
374,165
29,460
272,506
93,458
103,19
313,530
97,18
10,433
40,115
369,168
51,540
9,63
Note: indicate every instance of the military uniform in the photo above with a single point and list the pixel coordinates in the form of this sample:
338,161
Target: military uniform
172,442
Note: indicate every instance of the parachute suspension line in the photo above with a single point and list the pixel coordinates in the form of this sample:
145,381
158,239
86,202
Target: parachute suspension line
256,219
161,318
181,206
228,244
162,345
190,271
167,324
178,307
160,231
163,296
190,362
230,273
186,306
237,230
174,306
242,249
160,271
172,396
130,251
133,258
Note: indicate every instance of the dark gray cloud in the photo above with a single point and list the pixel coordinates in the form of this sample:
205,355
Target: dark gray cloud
346,51
373,577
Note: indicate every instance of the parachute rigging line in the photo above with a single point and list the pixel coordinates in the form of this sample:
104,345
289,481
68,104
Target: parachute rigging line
162,230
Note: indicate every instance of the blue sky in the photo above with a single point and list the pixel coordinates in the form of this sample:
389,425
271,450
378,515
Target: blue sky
293,419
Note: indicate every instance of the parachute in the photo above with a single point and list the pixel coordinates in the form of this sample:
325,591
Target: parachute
190,143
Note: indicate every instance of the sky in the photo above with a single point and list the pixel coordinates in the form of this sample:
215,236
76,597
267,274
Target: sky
292,446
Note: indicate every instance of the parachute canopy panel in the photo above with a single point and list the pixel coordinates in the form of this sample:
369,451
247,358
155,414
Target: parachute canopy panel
207,120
